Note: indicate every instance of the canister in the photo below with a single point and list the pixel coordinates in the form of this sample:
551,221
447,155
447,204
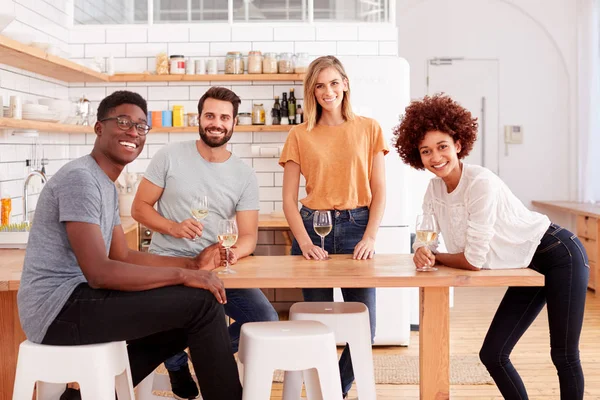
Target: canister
178,116
167,118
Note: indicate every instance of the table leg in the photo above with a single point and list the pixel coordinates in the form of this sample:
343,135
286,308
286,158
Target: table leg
11,336
434,344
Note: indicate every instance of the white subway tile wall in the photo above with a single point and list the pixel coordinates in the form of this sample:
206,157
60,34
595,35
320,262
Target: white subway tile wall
134,49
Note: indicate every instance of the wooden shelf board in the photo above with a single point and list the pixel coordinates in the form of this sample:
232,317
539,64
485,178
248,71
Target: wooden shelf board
216,78
29,58
9,123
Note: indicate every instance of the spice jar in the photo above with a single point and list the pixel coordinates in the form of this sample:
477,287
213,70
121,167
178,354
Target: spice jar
258,114
269,64
255,62
177,65
301,63
6,206
244,118
234,63
162,64
193,119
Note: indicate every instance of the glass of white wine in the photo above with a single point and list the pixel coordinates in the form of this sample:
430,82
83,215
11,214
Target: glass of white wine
322,225
228,235
427,233
199,210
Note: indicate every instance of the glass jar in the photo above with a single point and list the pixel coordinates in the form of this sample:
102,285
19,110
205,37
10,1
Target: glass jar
177,65
269,65
234,63
258,114
285,65
301,63
244,118
192,119
255,60
6,208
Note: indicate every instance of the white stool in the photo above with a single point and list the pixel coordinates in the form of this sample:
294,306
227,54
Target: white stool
350,324
95,367
307,346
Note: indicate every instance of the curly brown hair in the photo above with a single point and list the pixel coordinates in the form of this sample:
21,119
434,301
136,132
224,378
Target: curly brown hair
433,113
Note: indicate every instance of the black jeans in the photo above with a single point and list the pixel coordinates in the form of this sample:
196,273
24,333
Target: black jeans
562,260
156,324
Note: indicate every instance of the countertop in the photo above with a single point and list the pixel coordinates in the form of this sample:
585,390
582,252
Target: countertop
586,209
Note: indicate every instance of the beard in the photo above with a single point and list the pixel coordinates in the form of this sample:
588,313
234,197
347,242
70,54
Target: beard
212,141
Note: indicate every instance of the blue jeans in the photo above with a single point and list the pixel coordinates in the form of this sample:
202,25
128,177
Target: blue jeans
348,228
562,260
243,305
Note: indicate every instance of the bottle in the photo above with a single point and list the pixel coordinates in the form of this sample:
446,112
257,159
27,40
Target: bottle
299,114
292,107
6,208
276,112
284,109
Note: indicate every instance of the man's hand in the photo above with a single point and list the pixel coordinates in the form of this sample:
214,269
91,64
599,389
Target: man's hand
423,257
206,280
188,229
211,257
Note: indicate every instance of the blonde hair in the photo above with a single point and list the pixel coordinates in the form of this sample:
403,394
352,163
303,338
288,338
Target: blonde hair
312,108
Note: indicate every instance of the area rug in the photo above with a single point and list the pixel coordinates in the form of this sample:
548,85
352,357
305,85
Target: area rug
404,370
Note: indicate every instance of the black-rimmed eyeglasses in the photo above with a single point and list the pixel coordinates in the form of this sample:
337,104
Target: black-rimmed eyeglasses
125,124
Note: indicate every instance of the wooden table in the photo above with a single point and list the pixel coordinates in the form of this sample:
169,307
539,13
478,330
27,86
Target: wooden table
588,230
296,272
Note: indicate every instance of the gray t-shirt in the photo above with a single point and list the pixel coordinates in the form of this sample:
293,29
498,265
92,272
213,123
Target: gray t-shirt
79,192
181,171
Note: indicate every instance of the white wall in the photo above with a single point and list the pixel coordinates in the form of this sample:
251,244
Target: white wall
134,49
535,44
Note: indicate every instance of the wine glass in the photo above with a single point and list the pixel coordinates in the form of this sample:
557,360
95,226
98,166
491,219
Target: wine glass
228,235
427,233
322,225
199,210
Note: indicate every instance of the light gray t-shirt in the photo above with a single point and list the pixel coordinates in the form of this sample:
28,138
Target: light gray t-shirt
79,192
181,171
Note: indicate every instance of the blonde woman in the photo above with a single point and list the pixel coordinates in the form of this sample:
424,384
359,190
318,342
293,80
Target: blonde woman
340,155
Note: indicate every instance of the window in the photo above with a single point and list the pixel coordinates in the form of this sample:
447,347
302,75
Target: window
94,12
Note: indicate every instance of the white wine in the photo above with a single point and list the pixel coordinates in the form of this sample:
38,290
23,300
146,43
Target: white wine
228,240
199,214
323,230
426,236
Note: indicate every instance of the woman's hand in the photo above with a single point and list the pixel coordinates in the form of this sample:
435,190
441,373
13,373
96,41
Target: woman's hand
364,249
310,251
423,257
189,229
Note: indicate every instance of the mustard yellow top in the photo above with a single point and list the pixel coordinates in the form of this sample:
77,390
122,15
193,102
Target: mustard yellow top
336,161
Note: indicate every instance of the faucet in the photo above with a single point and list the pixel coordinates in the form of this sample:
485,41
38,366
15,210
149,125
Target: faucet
42,176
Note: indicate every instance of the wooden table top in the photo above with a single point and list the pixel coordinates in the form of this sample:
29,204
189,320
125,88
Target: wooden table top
267,221
586,209
385,270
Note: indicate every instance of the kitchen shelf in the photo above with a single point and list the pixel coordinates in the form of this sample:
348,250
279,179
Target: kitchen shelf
196,78
9,123
239,128
29,58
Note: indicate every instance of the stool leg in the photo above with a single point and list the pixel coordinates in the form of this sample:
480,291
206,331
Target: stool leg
23,387
124,385
292,385
313,386
257,382
362,364
49,391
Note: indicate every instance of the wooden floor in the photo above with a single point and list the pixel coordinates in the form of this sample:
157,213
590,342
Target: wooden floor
469,320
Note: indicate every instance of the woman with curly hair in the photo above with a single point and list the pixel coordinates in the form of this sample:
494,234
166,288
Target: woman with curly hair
485,226
340,155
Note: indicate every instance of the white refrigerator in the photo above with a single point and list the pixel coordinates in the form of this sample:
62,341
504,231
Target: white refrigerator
379,88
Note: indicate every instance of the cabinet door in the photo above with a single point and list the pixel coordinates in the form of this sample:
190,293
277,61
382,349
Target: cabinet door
133,239
587,227
592,284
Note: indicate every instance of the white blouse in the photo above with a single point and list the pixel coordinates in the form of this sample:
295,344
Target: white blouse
485,220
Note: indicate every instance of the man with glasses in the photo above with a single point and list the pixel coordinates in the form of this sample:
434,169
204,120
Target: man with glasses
82,285
181,172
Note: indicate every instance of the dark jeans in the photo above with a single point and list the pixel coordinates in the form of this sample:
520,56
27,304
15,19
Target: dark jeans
156,324
348,228
243,305
562,260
